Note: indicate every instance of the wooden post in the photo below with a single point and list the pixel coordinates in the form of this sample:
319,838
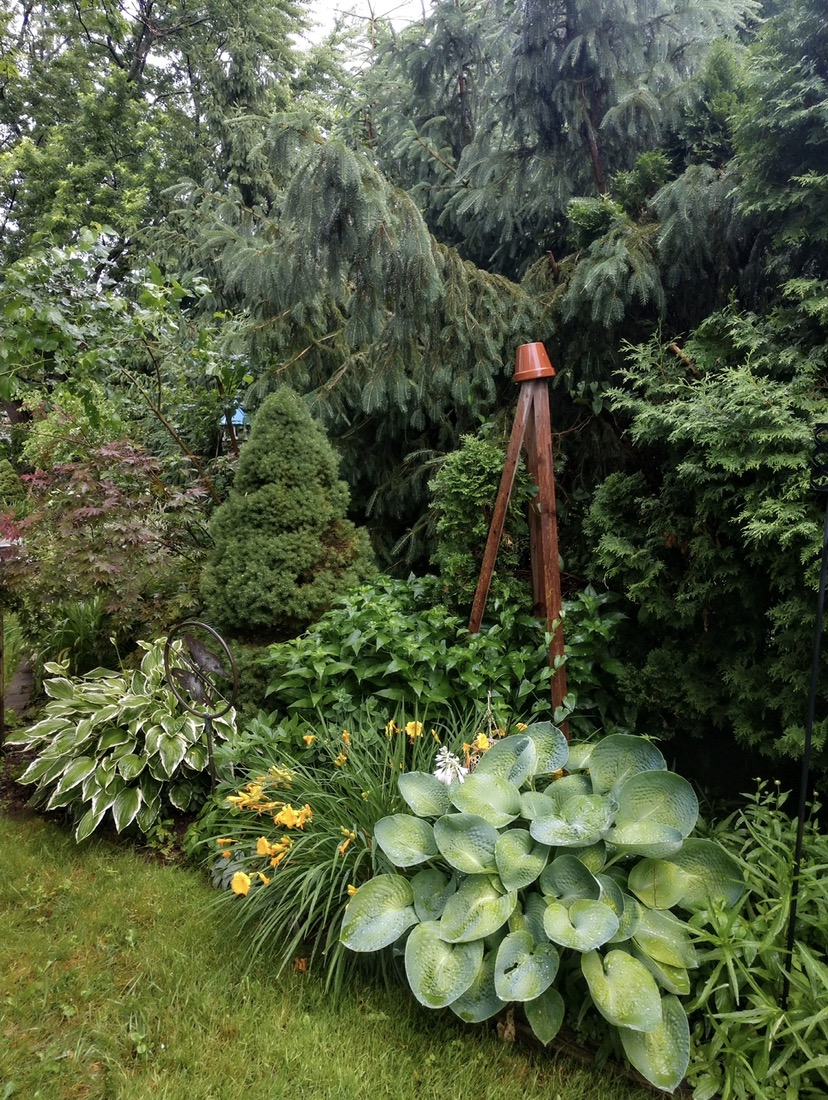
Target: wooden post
532,426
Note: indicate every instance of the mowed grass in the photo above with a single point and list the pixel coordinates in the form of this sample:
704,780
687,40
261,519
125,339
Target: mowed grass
117,982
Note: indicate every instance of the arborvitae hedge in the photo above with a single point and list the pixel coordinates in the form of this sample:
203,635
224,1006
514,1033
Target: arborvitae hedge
283,549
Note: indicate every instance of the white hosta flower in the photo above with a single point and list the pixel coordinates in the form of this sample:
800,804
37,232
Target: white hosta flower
448,767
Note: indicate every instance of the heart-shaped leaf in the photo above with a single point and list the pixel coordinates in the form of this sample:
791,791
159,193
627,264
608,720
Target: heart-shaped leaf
513,758
583,926
551,747
708,872
665,938
619,756
524,969
495,800
663,1054
425,794
439,972
623,990
467,842
480,1002
378,913
582,820
432,889
568,880
519,858
545,1015
478,909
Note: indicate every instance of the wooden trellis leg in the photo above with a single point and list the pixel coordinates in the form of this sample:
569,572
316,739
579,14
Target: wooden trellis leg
532,426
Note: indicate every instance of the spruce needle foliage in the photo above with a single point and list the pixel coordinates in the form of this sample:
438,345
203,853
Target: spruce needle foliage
283,547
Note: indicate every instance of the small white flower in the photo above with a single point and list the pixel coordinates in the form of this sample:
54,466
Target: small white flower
448,767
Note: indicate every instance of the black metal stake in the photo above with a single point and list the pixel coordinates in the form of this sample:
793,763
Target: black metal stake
818,483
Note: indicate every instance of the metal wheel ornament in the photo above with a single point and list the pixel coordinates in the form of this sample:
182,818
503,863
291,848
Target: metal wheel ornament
202,674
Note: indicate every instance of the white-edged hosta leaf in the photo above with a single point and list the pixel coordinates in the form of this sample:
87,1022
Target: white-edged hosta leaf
513,758
197,757
551,747
494,799
126,806
582,926
545,1015
478,908
621,755
113,736
406,840
425,794
75,773
663,1054
131,765
524,969
89,823
432,889
181,795
44,770
623,990
480,1002
378,913
467,843
171,751
439,972
519,858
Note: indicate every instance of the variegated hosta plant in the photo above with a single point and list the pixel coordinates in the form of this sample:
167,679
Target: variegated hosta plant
118,744
545,849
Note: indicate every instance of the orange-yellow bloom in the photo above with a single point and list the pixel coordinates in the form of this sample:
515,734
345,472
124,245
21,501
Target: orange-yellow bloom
265,881
413,729
391,727
309,738
341,760
346,737
222,840
240,884
351,889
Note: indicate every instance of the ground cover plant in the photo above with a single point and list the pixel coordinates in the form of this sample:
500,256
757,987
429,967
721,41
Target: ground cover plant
117,748
117,982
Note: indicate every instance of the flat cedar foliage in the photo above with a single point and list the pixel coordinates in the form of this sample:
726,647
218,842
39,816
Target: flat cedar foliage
283,548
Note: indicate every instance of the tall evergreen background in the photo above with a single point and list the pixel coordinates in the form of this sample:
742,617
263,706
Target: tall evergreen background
194,210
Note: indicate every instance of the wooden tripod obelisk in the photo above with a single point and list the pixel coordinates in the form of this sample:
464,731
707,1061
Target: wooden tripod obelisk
532,426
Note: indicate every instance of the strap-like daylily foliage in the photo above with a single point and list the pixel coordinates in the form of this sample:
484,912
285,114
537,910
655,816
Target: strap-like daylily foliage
543,849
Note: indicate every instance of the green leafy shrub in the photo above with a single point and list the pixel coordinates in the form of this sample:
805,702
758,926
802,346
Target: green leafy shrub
464,492
397,643
506,876
283,549
745,1045
117,745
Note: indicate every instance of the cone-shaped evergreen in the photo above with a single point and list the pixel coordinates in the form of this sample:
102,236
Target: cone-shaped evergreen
283,547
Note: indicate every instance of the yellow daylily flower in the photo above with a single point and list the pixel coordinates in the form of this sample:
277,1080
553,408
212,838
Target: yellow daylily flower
265,881
309,738
222,840
351,889
341,760
240,884
346,737
414,729
391,727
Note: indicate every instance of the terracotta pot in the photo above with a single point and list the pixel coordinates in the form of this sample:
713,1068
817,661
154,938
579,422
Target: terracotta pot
532,362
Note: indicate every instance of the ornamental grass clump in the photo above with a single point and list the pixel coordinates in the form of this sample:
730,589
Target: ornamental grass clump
545,876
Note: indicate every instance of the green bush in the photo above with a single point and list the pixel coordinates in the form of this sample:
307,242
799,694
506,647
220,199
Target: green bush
504,878
283,549
396,643
464,492
117,745
745,1045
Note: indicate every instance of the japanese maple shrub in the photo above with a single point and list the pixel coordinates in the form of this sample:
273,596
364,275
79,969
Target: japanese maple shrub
283,548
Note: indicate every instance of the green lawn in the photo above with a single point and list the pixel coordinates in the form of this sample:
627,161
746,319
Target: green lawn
118,983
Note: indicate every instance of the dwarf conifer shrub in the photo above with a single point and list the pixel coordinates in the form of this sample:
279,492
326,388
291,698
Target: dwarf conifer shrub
283,548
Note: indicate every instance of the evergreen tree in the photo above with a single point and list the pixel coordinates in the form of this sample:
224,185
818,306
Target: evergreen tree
283,549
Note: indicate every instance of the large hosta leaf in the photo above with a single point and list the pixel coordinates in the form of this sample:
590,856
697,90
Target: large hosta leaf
478,909
545,1015
568,787
582,926
658,883
495,800
513,758
378,913
551,747
664,938
432,889
709,872
568,880
582,820
406,840
661,1055
534,910
89,823
480,1001
619,756
673,979
623,989
524,969
467,842
519,858
536,804
425,794
75,773
439,972
656,811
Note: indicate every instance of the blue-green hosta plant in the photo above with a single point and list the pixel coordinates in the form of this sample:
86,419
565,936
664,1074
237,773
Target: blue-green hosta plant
544,853
117,745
